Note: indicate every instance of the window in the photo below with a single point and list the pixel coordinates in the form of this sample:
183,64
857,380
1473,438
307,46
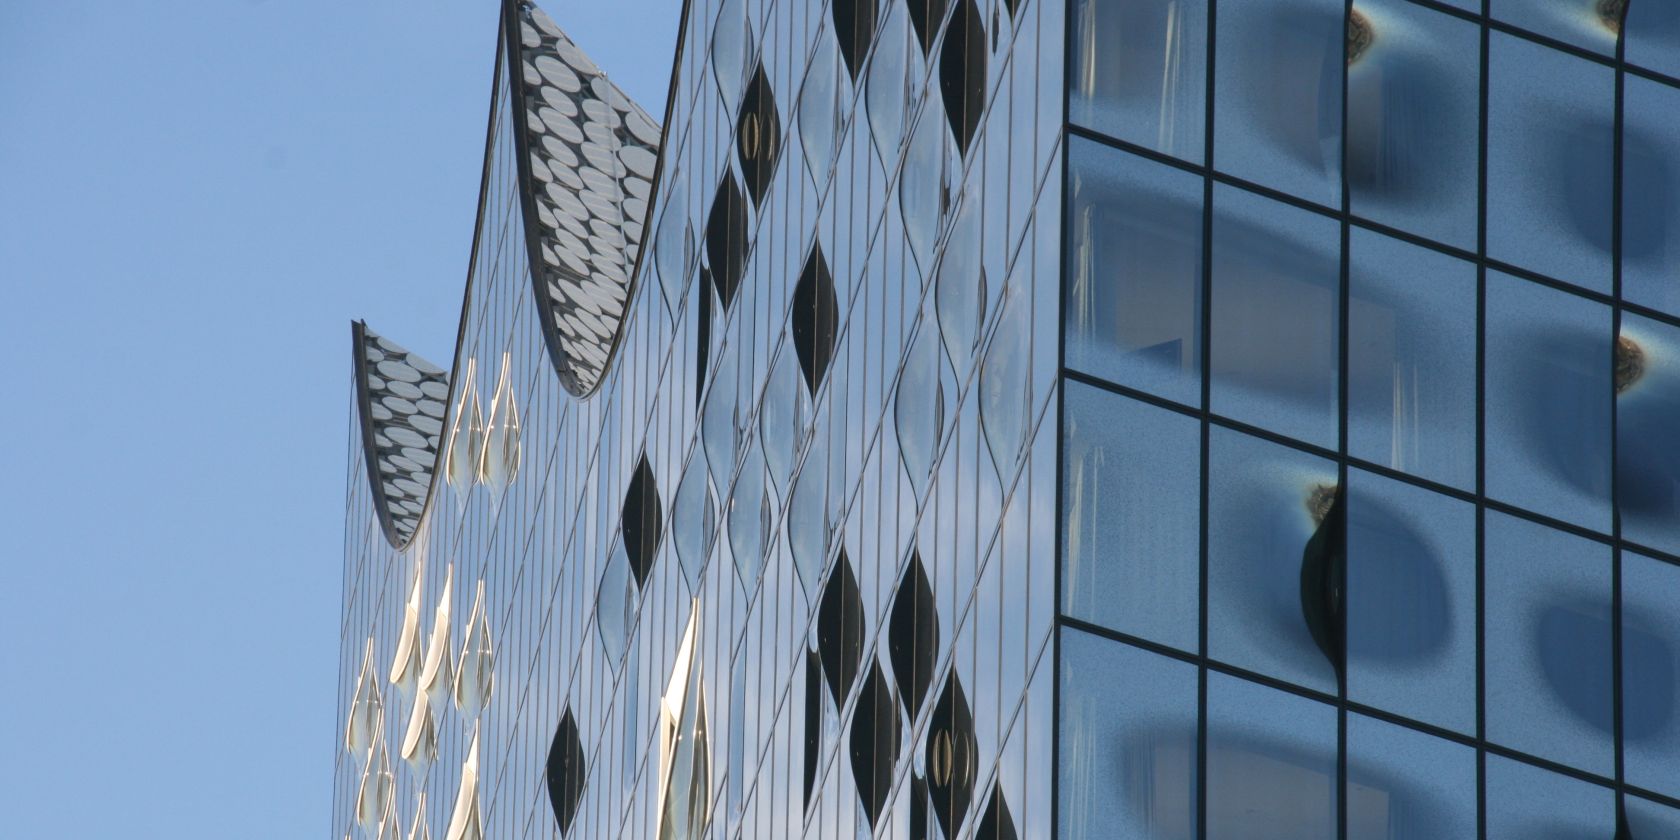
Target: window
1140,72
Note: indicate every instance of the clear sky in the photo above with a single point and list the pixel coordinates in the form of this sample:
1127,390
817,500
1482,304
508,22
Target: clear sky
196,197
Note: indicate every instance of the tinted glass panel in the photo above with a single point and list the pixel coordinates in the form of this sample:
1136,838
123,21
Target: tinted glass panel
1276,280
1653,37
1278,95
1550,156
1265,503
1413,121
1405,785
1131,536
1271,771
1548,401
1128,742
1651,191
1548,644
1648,819
1590,24
1140,72
1647,414
1412,359
1411,582
1527,803
1134,266
1651,673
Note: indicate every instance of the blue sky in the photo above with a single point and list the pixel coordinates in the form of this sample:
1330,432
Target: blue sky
196,197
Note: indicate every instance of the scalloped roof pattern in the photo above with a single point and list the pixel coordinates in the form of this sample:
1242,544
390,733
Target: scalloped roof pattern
589,160
403,401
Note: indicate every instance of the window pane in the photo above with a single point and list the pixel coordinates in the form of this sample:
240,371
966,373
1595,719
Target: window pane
1276,280
1140,72
1589,24
1265,503
1548,644
1651,673
1278,95
1133,516
1653,37
1525,803
1647,413
1128,743
1650,185
1550,158
1548,401
1405,785
1271,771
1412,359
1648,819
1135,272
1413,122
1411,618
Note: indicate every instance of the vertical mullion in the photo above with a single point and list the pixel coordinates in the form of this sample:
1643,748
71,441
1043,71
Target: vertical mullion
1481,427
1615,431
1061,426
1342,444
1206,408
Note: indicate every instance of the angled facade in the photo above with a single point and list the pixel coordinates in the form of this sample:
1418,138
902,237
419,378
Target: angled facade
1041,418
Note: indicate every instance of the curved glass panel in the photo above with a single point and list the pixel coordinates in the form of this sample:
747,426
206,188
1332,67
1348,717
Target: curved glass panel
1550,143
1548,401
475,671
1413,122
925,183
674,245
807,528
1548,638
749,518
466,438
731,44
1412,359
1128,742
1651,189
960,287
500,462
782,417
1278,95
887,92
694,520
1134,272
1265,504
819,110
719,425
615,606
1651,674
919,408
1647,382
1411,590
1005,392
1131,506
1140,72
1276,285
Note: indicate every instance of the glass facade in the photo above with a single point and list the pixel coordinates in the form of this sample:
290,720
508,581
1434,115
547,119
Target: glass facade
1042,418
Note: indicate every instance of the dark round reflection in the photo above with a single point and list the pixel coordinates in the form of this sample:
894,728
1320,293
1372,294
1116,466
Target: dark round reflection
1565,385
1649,658
1583,155
1648,192
1572,640
1648,412
1398,604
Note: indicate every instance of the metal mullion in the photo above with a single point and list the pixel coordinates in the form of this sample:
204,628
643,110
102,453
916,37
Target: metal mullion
1616,555
1342,448
1206,350
1481,428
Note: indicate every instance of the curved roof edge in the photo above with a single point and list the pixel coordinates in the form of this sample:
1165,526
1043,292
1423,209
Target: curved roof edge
402,401
584,245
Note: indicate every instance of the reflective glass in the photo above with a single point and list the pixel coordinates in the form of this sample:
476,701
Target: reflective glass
1653,37
1648,819
1128,743
1550,153
1651,673
1140,72
1412,359
1548,401
1527,803
1412,121
1131,493
1134,267
1265,503
1651,192
1271,764
1647,413
1589,24
1276,281
1548,640
1405,785
1278,95
1411,614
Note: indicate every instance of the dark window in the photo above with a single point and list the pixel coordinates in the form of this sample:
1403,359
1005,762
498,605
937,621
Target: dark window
962,72
815,317
566,771
913,636
642,520
758,136
840,630
854,29
726,239
951,758
874,742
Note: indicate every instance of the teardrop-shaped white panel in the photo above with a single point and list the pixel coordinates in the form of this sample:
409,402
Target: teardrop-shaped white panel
475,672
465,822
466,438
418,830
406,666
366,708
419,744
435,677
500,463
376,792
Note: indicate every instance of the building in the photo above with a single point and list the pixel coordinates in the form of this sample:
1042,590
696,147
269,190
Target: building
1101,419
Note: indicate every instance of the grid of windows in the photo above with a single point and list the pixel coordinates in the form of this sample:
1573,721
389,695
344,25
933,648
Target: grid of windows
1368,530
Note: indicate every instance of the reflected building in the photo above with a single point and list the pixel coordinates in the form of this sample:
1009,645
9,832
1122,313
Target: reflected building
1042,418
